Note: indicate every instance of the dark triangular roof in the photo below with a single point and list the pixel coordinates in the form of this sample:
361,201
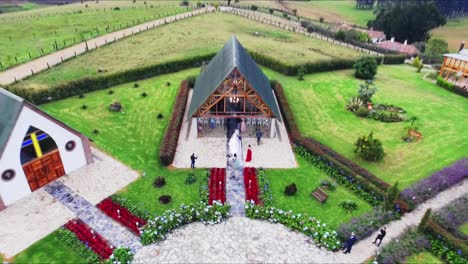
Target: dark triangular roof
232,56
10,108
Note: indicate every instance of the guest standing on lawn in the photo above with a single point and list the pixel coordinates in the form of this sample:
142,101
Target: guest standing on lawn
380,236
349,243
248,158
192,159
259,136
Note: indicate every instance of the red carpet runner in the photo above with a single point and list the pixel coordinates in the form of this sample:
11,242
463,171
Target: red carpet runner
217,185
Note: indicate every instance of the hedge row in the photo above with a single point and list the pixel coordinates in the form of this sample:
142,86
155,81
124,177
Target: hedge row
345,166
394,59
169,143
83,85
432,228
451,87
71,240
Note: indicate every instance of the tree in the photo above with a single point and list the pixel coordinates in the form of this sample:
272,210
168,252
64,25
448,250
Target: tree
366,68
392,195
436,47
407,20
369,148
424,220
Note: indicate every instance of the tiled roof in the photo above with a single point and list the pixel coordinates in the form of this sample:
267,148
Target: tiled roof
400,47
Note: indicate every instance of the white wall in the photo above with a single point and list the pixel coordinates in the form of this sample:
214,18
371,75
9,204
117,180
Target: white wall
18,187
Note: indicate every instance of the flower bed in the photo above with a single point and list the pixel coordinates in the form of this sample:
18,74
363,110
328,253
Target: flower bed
157,228
217,185
309,226
438,182
71,240
90,238
407,244
121,215
203,187
264,185
453,215
251,185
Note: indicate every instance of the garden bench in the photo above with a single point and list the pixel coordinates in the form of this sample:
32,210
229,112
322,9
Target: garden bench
320,195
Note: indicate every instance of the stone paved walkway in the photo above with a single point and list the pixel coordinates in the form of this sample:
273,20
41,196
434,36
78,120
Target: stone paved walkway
116,234
235,191
35,66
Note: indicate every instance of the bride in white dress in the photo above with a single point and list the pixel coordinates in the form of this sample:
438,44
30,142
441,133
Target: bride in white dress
235,147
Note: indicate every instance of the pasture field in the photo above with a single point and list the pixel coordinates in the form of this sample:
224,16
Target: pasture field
319,103
134,136
188,38
454,32
9,7
31,34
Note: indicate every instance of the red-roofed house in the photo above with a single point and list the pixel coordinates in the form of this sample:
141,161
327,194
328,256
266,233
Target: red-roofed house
400,47
375,35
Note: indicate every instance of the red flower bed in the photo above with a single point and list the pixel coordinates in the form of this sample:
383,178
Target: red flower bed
90,238
217,185
121,215
251,185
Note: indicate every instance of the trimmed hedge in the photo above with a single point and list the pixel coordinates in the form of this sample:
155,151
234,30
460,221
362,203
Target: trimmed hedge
432,228
394,59
169,143
83,85
451,87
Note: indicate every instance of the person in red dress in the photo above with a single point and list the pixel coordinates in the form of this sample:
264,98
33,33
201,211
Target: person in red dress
248,158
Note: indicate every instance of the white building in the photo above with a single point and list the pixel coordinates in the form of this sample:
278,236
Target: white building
35,148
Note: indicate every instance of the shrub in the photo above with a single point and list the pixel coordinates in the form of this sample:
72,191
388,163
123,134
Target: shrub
264,183
254,7
362,111
366,68
84,107
159,182
424,219
95,131
191,179
81,96
453,215
115,107
348,206
392,195
169,143
184,3
366,91
340,35
441,236
168,83
354,104
328,184
300,74
394,59
443,248
203,187
438,182
417,62
110,92
321,19
136,85
160,116
369,148
144,94
290,190
122,255
271,11
165,199
71,240
191,80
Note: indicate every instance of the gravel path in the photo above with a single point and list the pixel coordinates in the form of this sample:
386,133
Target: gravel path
35,66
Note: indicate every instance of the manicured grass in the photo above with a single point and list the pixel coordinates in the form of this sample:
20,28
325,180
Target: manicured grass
424,257
307,178
319,103
464,228
133,136
187,38
454,32
49,250
37,32
333,11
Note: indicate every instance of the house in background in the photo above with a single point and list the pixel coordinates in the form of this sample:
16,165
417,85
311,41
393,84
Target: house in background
455,67
375,35
404,48
35,148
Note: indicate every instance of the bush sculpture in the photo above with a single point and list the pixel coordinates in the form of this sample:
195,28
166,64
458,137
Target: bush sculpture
290,189
366,68
369,148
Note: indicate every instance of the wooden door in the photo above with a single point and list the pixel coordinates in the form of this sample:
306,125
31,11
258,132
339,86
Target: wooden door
41,171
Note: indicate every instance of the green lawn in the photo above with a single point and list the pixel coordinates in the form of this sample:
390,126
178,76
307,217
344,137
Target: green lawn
16,7
464,228
333,11
68,25
307,178
454,32
424,257
319,102
134,136
176,41
49,250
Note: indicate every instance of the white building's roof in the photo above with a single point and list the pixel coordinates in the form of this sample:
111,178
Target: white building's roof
462,55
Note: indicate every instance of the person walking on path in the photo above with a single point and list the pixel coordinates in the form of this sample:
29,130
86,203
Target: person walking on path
380,236
192,159
349,243
259,136
248,157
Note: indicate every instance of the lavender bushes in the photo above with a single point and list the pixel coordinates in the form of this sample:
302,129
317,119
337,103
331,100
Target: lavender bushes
366,224
453,215
438,182
409,243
